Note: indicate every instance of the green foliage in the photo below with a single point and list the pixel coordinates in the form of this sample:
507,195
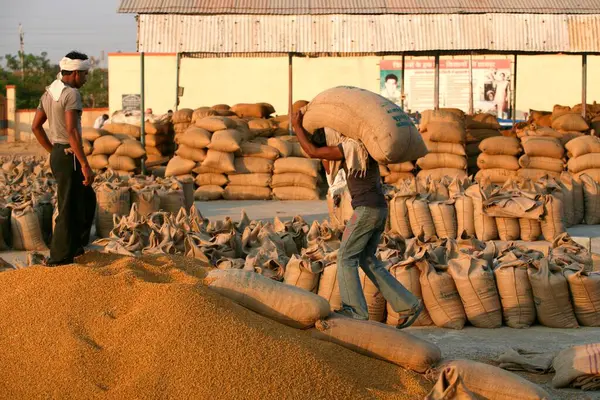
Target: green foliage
39,72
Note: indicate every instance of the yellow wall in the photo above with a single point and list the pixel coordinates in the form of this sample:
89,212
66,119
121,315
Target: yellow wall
124,78
593,79
210,81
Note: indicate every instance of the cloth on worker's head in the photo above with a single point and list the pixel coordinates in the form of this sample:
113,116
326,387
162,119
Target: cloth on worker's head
66,64
355,153
523,360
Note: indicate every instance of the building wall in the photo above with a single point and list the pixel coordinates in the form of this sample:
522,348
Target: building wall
24,119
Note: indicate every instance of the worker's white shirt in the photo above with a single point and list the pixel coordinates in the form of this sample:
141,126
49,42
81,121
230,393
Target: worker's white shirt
99,122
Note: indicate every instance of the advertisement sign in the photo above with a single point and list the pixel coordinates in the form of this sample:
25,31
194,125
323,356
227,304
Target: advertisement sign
131,102
390,76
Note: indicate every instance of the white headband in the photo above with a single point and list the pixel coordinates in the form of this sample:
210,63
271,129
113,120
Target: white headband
66,64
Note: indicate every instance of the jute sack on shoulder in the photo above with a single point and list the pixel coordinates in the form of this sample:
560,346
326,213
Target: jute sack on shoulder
190,153
586,161
585,292
246,193
508,228
477,289
445,147
583,145
386,131
295,193
546,163
195,137
294,179
287,304
551,294
487,161
501,145
207,193
442,160
492,383
495,175
535,146
379,341
297,164
219,160
441,296
259,180
407,273
515,291
252,165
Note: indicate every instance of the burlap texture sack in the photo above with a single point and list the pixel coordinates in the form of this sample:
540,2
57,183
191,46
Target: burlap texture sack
246,193
147,201
407,273
535,146
26,231
329,288
111,200
183,115
106,145
495,175
179,166
258,110
552,223
440,173
419,216
195,137
227,141
464,215
395,178
303,273
441,115
253,165
530,229
218,160
585,292
485,226
249,149
208,179
98,161
121,163
402,167
443,215
190,153
442,160
130,148
508,228
586,161
583,145
208,193
449,132
258,180
445,147
294,179
399,220
295,193
570,122
501,145
202,112
214,124
537,174
297,165
92,134
126,129
543,163
515,291
486,161
477,135
578,367
284,147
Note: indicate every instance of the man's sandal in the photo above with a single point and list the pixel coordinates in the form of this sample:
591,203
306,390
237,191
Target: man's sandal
406,319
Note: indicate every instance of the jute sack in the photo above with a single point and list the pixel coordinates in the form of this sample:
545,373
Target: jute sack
397,177
530,229
25,230
121,163
375,300
552,223
219,160
387,132
258,180
211,179
407,273
208,193
258,110
490,121
399,220
182,116
586,161
535,146
126,129
106,145
329,288
442,160
477,289
570,122
202,112
485,226
441,296
181,127
214,124
195,137
445,147
303,273
570,199
261,127
285,148
492,383
294,179
501,145
449,132
158,150
111,200
537,174
147,201
593,173
87,147
379,341
546,163
246,193
577,367
585,292
172,199
583,145
477,135
551,294
495,175
441,115
464,215
287,304
131,148
443,215
450,386
98,161
227,140
508,228
401,167
187,183
92,134
258,150
295,193
179,166
190,153
419,216
305,166
486,161
515,291
253,165
440,173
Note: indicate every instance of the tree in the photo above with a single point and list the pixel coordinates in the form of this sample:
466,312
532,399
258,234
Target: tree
39,72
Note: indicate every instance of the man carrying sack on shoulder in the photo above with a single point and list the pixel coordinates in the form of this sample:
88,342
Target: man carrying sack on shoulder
61,106
363,231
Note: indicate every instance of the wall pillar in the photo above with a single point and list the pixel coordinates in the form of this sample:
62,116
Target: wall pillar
11,113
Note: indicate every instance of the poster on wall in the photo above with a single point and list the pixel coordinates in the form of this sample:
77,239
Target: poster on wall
390,76
491,84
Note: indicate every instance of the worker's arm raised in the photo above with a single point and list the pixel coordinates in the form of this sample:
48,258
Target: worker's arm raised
332,153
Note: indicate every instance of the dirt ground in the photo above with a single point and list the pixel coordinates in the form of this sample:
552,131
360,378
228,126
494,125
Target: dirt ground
29,148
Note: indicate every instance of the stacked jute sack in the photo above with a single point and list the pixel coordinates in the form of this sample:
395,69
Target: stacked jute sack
544,155
479,127
27,193
117,152
295,177
584,157
395,174
498,160
444,135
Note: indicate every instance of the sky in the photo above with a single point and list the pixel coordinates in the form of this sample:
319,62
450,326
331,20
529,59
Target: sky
59,26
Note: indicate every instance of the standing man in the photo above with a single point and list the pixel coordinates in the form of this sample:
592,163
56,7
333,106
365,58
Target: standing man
363,231
61,106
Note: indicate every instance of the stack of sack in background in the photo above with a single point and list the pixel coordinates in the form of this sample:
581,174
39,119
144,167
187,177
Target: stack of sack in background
479,127
122,156
181,119
498,161
394,174
295,178
543,156
444,134
584,156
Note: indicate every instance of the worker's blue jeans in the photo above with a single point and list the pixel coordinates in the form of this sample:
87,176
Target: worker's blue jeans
359,244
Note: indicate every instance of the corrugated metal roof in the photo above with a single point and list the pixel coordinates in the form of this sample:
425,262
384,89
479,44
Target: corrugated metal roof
368,34
317,7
